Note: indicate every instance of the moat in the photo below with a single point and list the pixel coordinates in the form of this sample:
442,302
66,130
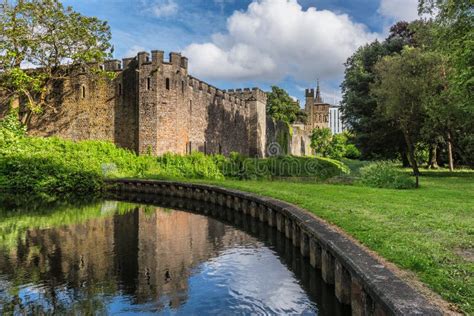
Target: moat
115,257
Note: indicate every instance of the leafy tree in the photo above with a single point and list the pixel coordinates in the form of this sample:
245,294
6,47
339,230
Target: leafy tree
404,88
45,34
338,146
375,135
282,107
321,140
453,38
341,147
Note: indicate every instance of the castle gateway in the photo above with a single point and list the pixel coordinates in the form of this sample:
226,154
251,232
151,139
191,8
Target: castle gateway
154,106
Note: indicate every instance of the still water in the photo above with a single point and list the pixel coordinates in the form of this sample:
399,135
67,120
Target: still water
123,258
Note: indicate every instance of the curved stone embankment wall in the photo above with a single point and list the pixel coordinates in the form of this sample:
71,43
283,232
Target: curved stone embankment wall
359,279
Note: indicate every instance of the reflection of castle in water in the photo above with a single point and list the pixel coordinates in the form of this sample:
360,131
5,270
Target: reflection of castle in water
146,255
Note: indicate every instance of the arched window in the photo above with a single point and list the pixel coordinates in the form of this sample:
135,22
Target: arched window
167,83
83,90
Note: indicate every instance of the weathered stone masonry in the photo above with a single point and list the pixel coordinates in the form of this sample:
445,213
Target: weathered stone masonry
154,106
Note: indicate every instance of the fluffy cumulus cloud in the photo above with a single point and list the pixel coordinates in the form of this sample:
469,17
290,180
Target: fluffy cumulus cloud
274,39
406,10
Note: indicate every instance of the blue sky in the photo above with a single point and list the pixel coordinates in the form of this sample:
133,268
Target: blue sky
247,43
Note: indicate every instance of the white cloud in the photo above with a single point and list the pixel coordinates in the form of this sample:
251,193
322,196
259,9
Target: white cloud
399,10
134,50
164,8
274,39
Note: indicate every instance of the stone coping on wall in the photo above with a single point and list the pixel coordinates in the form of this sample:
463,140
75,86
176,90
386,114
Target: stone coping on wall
359,279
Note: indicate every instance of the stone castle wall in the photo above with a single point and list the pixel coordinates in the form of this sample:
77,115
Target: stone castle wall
81,107
285,139
154,106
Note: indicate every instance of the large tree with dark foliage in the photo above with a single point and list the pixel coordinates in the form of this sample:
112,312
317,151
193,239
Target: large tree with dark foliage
375,135
454,38
405,87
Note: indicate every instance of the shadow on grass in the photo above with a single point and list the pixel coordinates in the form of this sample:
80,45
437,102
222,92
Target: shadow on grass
447,174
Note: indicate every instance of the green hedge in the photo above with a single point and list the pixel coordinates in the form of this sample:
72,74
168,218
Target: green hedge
194,166
52,165
286,166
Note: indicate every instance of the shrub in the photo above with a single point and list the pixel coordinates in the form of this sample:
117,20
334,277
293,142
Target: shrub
194,166
352,152
54,166
285,166
384,174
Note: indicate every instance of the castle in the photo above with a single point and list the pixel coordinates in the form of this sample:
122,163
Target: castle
321,114
154,106
317,110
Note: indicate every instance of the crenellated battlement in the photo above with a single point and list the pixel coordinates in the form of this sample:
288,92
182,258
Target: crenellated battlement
156,57
112,65
247,94
309,93
229,95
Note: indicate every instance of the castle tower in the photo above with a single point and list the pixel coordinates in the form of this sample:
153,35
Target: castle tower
161,87
317,109
258,125
309,95
147,103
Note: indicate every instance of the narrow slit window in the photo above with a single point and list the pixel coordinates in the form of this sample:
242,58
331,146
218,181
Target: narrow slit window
190,107
182,86
120,89
167,83
83,88
148,83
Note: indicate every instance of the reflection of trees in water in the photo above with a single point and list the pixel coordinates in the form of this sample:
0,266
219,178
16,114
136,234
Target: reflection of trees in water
144,254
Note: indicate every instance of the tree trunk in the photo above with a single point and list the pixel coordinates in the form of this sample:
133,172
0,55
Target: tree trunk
411,154
433,161
405,161
439,157
450,152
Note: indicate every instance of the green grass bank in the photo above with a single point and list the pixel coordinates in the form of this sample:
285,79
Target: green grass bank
429,231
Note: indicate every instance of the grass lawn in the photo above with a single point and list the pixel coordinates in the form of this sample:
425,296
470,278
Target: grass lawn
429,231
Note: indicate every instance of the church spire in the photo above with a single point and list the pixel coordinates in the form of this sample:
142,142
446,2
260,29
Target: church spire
318,93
